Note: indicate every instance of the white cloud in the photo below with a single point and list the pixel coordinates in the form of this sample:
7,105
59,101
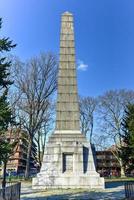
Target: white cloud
81,65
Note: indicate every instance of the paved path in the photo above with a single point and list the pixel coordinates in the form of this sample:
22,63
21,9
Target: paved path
108,194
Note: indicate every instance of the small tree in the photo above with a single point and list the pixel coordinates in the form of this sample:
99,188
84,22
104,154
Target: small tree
127,149
110,113
8,147
5,110
87,112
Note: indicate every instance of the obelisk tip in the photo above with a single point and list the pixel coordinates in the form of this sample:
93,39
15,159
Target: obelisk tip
67,13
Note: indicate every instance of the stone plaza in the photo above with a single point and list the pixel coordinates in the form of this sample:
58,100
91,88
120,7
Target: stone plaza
116,192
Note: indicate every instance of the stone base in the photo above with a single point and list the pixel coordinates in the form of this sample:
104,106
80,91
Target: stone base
72,182
68,163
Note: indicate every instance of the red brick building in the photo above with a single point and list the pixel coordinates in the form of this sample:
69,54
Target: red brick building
17,162
107,164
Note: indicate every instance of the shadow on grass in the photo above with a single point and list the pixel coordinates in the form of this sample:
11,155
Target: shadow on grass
84,195
114,184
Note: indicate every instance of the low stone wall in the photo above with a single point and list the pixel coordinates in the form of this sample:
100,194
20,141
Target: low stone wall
12,192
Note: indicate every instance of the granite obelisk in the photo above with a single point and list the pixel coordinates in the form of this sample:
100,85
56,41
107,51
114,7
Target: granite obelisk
67,102
68,161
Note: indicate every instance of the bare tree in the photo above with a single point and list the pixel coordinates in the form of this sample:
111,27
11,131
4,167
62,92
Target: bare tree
101,142
35,83
87,111
111,109
42,134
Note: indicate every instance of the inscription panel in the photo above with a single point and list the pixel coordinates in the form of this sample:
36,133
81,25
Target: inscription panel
67,162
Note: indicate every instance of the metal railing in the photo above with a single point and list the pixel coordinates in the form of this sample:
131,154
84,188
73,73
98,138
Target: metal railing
129,190
11,192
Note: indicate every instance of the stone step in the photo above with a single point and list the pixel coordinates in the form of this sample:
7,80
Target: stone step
72,135
76,140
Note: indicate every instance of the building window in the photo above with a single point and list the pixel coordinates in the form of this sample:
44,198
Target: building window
67,162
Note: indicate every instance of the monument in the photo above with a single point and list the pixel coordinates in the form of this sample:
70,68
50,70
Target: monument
68,160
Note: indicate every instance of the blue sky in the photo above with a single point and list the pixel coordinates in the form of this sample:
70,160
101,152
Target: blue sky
104,33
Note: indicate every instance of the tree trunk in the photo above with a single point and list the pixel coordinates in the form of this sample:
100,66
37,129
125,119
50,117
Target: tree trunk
4,178
39,151
27,171
43,149
122,172
91,132
122,169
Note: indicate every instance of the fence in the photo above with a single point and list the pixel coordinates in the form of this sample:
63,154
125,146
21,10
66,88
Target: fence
11,192
129,190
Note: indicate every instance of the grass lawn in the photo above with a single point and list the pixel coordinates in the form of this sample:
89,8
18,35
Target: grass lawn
119,179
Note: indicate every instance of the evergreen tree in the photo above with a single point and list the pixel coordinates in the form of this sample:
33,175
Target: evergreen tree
127,149
5,110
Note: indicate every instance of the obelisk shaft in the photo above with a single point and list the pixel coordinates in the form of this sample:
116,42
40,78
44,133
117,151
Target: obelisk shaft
67,113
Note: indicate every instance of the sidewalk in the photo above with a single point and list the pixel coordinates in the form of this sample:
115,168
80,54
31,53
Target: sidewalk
108,194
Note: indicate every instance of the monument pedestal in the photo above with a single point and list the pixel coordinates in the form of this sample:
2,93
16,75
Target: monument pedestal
68,163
